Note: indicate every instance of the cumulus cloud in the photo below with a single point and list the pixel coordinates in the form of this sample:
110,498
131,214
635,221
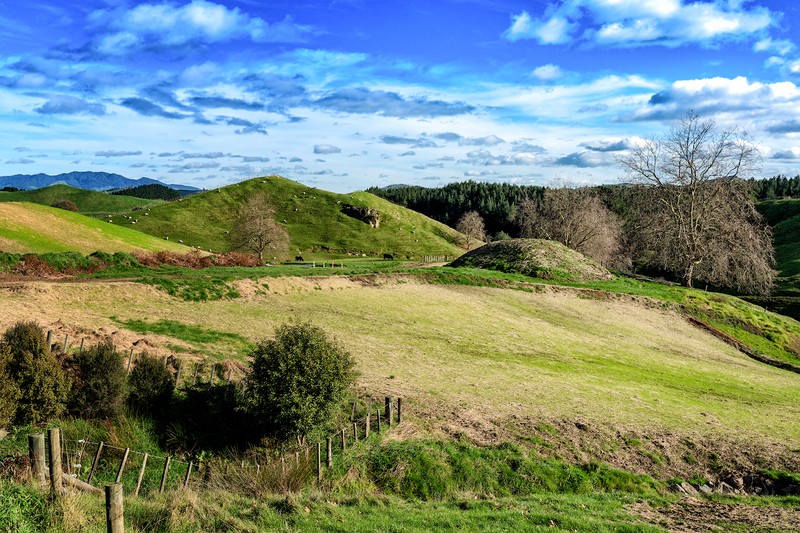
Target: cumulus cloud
792,154
246,127
527,147
326,149
554,30
548,72
607,146
579,159
489,140
229,103
360,100
642,23
486,158
149,109
163,25
63,104
117,153
710,96
787,126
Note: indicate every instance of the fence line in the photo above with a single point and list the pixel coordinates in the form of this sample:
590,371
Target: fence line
71,452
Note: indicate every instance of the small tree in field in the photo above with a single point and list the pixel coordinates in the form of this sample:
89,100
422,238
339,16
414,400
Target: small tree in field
9,392
297,379
255,229
150,385
36,372
472,226
98,382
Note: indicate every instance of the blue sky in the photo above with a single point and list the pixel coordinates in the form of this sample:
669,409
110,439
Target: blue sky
347,94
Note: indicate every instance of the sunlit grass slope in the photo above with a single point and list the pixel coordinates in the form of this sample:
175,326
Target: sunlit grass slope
499,353
313,218
33,228
87,202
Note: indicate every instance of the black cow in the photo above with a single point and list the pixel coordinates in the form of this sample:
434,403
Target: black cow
299,258
388,257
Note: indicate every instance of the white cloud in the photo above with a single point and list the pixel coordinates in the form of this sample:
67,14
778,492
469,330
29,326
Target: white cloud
642,22
713,96
548,72
555,30
200,21
326,149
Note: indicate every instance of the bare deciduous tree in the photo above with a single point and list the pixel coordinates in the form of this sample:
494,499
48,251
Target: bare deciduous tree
697,217
255,228
577,219
471,225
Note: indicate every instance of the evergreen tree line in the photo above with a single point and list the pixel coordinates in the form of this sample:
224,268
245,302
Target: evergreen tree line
776,187
497,203
150,192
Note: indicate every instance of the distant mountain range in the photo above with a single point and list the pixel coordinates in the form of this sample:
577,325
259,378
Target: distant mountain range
95,181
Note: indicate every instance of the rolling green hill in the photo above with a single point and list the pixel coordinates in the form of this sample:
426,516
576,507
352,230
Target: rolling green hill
88,202
313,218
784,217
33,228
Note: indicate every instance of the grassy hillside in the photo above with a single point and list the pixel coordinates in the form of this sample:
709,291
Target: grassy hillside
492,357
34,228
88,202
313,218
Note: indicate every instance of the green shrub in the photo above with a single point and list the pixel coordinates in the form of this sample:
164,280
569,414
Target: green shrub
41,381
150,385
67,205
9,392
297,379
98,382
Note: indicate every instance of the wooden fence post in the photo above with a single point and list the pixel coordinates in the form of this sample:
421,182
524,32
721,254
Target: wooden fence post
130,359
366,426
141,475
164,475
81,348
49,339
54,436
355,432
94,463
66,343
122,465
399,410
194,378
188,473
319,462
178,374
36,452
115,513
388,413
211,379
329,456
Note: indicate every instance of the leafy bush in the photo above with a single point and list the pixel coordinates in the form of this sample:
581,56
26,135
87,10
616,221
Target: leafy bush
9,392
150,385
98,382
297,379
41,381
67,205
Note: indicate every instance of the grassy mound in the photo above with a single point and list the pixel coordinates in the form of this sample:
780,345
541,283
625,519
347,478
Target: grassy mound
314,218
33,228
88,202
537,258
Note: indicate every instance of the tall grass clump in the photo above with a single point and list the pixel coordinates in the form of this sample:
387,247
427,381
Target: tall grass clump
150,386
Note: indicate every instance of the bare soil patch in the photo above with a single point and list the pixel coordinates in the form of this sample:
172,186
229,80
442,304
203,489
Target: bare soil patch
693,514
